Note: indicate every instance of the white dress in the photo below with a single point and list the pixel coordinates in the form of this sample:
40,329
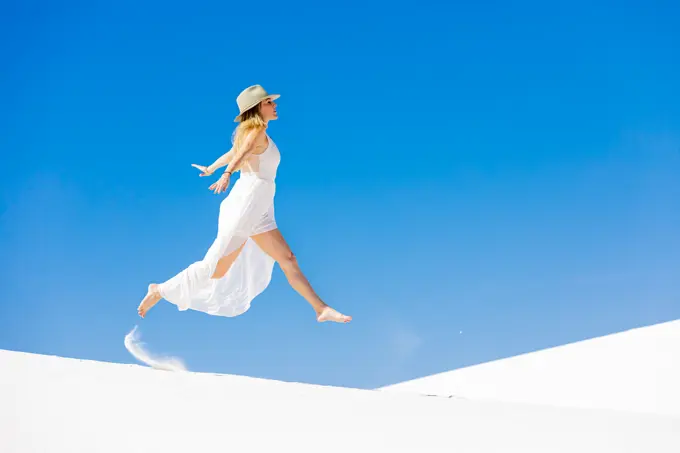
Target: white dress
247,210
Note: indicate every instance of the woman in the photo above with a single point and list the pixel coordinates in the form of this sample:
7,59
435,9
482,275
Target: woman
239,263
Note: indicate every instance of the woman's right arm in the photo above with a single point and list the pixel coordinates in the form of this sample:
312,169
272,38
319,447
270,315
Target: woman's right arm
244,150
232,156
223,160
239,156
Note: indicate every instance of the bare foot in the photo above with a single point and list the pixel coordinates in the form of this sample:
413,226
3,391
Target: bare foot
329,314
152,297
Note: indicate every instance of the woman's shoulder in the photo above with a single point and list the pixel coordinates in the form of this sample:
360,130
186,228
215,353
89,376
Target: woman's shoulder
255,131
261,142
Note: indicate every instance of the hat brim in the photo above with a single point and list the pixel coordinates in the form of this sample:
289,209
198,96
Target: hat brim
271,96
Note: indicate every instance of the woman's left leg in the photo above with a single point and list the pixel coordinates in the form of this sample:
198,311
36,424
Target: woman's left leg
192,274
153,296
273,244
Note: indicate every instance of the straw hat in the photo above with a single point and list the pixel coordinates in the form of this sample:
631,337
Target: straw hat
250,97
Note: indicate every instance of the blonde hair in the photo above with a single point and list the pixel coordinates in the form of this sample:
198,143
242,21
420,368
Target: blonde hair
250,120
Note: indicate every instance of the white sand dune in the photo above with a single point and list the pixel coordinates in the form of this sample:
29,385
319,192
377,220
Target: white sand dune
51,404
636,370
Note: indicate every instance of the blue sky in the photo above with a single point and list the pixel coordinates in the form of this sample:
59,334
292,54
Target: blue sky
505,171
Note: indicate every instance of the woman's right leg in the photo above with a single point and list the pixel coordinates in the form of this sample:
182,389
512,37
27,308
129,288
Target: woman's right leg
273,244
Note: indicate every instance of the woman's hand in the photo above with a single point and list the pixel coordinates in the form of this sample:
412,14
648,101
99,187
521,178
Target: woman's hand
221,184
205,170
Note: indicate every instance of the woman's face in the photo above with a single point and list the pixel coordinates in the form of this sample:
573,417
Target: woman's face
268,110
